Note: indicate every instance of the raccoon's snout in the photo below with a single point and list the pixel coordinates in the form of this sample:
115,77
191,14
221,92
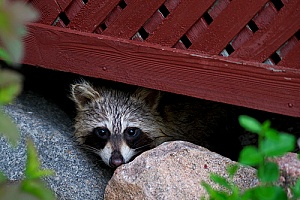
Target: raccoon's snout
116,159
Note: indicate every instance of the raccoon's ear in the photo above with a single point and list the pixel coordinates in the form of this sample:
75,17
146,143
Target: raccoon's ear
150,97
83,93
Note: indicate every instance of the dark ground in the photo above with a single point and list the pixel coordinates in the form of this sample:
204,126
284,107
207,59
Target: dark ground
55,86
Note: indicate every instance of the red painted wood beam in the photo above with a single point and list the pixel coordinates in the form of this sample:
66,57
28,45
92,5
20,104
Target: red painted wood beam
267,40
132,18
227,25
254,85
179,22
92,14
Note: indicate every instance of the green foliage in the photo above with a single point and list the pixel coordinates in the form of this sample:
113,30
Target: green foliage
271,143
10,86
2,178
8,129
14,15
13,18
296,189
33,165
32,187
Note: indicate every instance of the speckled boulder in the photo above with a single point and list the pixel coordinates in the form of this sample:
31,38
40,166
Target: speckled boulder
289,166
173,170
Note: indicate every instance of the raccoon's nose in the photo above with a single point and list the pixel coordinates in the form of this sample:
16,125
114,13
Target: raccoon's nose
116,159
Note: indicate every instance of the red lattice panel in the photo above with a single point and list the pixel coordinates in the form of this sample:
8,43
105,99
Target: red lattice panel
221,31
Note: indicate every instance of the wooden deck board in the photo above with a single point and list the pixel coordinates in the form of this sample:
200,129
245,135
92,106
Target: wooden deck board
179,22
223,29
266,41
132,18
292,59
254,85
48,13
92,15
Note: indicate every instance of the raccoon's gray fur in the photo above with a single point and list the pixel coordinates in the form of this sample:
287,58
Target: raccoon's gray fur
118,125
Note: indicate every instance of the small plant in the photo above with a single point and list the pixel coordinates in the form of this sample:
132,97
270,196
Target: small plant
32,187
271,144
13,18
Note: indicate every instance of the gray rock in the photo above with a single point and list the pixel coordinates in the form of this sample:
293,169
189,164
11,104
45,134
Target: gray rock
78,175
289,166
173,170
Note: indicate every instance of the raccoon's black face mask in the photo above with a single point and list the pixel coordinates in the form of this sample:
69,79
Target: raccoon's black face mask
116,125
118,149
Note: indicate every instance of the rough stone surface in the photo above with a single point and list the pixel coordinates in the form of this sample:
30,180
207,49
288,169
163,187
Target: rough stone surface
174,170
78,175
289,166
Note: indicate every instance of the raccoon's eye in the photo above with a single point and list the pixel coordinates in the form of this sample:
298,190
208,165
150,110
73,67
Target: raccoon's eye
101,132
132,132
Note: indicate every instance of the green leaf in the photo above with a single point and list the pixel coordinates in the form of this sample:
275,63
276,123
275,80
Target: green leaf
269,193
248,194
4,20
232,169
13,18
3,178
206,186
266,125
250,156
296,189
11,190
279,145
220,195
271,134
15,47
214,194
32,170
221,181
37,187
10,85
8,129
5,56
269,172
250,124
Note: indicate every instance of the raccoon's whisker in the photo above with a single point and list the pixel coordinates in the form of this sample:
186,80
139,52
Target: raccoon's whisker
82,136
87,147
165,135
142,146
162,137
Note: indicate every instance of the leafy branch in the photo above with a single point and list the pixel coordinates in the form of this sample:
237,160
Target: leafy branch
13,18
271,144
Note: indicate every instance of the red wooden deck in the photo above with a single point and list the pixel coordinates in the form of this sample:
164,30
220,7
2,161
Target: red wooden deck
238,52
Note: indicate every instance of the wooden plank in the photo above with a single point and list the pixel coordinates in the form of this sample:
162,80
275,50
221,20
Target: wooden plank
292,59
267,40
223,29
263,18
254,85
132,18
179,22
74,8
92,14
48,12
157,18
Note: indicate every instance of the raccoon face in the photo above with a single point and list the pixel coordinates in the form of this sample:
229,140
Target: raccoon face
115,125
116,149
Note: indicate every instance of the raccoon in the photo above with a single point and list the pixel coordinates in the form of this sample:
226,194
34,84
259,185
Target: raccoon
119,125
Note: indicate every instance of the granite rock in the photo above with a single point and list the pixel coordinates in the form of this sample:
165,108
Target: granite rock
173,170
